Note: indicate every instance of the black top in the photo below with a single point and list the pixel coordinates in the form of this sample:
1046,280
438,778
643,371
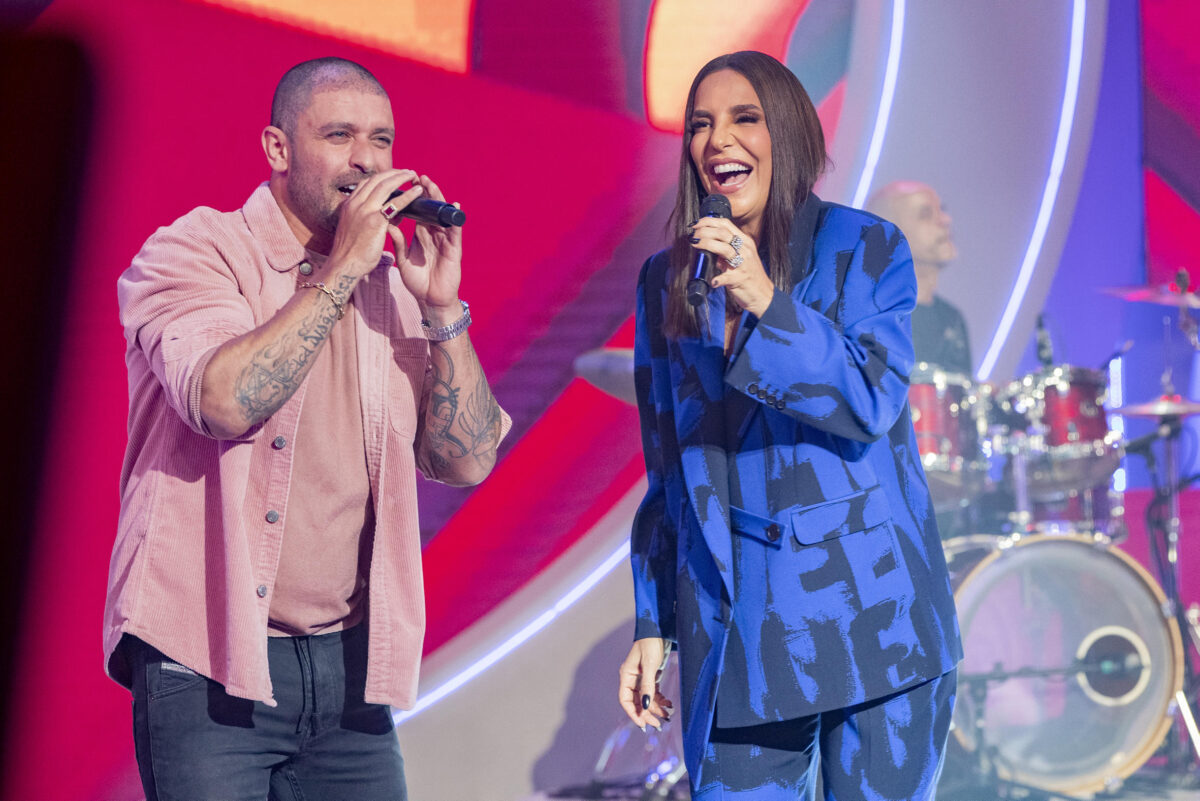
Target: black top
940,336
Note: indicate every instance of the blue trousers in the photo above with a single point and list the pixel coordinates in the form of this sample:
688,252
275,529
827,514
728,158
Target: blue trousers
889,748
322,742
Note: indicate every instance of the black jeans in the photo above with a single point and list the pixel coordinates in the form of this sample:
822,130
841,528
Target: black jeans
322,742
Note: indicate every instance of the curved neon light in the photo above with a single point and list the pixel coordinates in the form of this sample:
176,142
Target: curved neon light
884,112
543,620
1062,141
515,641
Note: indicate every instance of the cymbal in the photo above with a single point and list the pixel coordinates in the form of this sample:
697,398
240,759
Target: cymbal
1166,406
1162,295
610,370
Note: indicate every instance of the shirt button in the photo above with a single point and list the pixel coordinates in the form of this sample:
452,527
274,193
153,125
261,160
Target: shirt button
762,394
272,516
780,404
773,532
279,443
262,590
752,389
305,268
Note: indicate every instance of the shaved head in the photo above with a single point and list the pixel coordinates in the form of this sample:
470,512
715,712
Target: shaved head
301,82
916,208
887,199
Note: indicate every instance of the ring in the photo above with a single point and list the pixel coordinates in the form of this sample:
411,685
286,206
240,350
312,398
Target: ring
736,244
736,261
389,211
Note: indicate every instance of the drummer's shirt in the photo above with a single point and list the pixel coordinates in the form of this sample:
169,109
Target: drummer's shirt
940,336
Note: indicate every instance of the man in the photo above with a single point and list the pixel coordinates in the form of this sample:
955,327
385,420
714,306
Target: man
939,330
265,603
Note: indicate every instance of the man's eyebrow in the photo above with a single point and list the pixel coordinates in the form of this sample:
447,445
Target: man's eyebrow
349,126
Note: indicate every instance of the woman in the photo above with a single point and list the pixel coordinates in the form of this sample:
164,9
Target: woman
786,542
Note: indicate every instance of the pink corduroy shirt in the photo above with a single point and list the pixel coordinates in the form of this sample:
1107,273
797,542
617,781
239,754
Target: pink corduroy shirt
198,542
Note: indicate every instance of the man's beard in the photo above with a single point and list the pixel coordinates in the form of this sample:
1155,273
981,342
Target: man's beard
312,200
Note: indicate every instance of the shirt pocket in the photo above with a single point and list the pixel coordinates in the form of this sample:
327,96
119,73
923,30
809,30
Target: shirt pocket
406,384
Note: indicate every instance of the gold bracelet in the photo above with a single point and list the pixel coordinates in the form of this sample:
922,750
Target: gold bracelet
341,309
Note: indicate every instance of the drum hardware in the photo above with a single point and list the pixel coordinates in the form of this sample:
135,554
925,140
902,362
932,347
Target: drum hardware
1163,524
1071,667
986,780
1160,295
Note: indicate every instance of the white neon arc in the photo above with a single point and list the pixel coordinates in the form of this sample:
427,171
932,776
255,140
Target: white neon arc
516,640
1062,142
545,618
884,112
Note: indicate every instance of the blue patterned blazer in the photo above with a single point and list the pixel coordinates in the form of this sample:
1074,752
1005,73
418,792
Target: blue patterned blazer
787,541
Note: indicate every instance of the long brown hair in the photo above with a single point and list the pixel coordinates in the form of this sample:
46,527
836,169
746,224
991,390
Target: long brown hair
797,159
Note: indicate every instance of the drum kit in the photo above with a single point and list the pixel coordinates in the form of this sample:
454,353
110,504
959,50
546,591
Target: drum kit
1075,672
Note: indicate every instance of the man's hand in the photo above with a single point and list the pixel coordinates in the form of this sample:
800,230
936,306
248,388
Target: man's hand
431,265
638,691
361,229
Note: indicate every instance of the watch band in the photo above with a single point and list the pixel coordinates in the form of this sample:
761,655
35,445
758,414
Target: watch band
442,333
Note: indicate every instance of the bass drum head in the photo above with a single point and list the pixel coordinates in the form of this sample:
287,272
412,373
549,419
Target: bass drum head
1097,661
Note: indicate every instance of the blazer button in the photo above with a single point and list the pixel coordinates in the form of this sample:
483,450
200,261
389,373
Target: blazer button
773,532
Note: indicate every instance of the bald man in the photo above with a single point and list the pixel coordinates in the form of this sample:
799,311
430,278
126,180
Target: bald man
939,330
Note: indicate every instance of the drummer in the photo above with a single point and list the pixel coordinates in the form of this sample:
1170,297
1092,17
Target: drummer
938,328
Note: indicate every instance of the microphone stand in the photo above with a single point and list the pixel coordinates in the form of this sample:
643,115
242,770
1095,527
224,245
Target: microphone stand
1163,536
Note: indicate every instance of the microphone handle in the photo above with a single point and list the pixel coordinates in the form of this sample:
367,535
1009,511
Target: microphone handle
697,288
431,212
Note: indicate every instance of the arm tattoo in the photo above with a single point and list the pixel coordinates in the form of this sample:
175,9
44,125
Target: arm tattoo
465,418
276,370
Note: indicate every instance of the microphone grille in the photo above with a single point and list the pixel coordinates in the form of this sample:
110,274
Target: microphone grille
715,205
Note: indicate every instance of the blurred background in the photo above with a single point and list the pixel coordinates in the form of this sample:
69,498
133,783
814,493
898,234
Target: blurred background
1063,137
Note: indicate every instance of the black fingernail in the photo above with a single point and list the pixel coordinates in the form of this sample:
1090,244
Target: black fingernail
695,240
645,702
692,224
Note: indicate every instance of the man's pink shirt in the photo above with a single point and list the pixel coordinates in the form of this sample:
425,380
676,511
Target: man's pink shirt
202,519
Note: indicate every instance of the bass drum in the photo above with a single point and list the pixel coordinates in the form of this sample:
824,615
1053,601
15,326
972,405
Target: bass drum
1071,664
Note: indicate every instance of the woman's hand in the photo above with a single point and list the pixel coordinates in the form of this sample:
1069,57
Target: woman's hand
742,272
638,686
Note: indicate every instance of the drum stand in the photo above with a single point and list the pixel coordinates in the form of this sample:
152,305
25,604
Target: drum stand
985,781
1163,534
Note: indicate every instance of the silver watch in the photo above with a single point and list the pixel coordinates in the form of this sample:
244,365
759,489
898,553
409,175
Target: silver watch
445,332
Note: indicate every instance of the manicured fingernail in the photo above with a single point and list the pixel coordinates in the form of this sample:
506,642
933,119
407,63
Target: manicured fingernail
645,702
695,240
643,728
657,726
692,224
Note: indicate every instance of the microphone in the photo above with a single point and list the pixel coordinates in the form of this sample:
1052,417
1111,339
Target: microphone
1116,354
431,212
697,289
1141,445
1045,351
